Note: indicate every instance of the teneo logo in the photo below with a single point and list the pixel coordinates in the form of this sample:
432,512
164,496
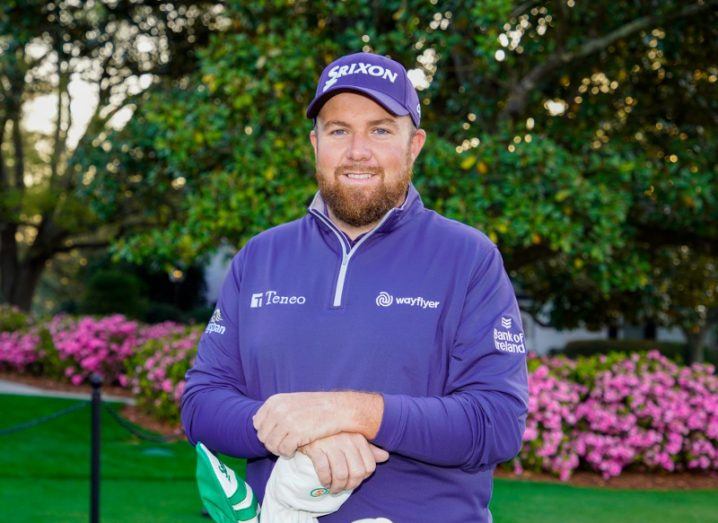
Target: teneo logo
506,340
358,68
264,299
384,299
214,323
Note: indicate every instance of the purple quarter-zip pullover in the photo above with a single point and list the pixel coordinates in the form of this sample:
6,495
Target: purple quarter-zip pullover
419,309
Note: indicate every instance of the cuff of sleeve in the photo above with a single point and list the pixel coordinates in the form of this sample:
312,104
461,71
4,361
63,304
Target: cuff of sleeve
393,422
252,440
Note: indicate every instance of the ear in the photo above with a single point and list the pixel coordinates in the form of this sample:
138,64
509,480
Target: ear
417,142
313,140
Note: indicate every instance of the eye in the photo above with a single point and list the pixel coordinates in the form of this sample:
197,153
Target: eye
382,130
337,131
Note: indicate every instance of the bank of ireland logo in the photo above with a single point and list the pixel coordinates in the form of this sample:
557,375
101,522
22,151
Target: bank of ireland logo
508,336
256,300
384,299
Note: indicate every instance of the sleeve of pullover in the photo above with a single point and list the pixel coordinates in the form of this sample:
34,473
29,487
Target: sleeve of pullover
481,419
215,407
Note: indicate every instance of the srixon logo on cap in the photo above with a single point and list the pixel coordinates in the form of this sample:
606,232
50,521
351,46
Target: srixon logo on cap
358,68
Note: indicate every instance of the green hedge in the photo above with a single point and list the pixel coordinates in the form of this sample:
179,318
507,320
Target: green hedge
676,351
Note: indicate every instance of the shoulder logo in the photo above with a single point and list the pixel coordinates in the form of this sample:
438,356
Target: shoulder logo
384,299
214,323
508,336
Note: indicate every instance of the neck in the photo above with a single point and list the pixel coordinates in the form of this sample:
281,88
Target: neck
350,230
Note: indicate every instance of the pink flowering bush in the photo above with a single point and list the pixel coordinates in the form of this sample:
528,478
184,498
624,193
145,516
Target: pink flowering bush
157,369
607,413
19,350
87,345
603,413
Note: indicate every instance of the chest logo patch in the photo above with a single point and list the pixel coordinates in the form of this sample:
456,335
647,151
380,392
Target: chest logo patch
267,298
384,299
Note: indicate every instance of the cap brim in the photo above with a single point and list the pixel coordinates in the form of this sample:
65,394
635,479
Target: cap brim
387,102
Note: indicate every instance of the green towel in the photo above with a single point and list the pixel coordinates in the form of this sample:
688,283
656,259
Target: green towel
226,496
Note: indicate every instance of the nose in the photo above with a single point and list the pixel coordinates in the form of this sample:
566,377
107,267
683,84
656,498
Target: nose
359,149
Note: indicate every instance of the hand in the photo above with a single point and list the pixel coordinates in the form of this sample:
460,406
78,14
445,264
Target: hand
288,421
344,460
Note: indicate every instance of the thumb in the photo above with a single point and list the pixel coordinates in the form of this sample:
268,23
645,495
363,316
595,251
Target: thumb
380,455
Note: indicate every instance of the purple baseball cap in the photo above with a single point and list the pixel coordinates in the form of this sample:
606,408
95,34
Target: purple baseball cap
383,80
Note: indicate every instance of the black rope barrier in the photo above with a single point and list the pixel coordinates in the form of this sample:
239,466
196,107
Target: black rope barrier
138,431
43,419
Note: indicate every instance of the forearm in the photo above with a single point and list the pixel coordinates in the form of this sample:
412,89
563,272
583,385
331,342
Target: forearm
472,430
362,412
221,418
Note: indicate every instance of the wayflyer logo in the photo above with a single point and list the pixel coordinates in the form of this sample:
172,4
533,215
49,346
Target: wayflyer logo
507,338
384,299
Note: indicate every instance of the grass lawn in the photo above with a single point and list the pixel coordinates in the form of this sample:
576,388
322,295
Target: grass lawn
44,477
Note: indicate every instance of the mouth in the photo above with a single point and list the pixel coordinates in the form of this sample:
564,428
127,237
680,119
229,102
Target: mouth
359,177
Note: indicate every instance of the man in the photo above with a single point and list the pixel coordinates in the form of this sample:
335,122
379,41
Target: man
374,335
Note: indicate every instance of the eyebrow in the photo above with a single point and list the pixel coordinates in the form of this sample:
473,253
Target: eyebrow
381,121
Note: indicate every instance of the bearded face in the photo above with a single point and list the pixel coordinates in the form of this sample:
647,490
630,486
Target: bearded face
364,157
360,203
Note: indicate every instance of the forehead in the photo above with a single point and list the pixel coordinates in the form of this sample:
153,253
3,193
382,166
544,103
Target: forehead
355,109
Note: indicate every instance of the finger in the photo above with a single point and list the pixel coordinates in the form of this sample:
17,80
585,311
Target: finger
367,458
259,418
288,446
339,471
274,439
356,467
321,466
264,427
380,455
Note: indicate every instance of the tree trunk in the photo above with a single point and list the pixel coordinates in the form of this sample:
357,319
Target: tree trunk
28,276
8,261
696,344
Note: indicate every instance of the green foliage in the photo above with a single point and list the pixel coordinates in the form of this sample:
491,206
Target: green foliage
12,319
672,350
114,291
583,151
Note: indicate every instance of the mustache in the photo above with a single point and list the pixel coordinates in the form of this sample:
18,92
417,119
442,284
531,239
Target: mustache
339,171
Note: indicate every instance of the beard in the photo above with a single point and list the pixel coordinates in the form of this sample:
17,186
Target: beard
361,206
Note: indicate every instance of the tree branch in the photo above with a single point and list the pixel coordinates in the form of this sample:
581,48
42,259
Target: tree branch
81,245
518,97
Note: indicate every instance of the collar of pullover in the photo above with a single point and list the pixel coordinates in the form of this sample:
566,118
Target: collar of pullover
391,220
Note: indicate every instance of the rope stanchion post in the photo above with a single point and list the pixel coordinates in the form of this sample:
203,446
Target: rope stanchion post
96,382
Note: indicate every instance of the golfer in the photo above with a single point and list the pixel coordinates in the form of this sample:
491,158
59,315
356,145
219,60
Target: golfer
374,335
